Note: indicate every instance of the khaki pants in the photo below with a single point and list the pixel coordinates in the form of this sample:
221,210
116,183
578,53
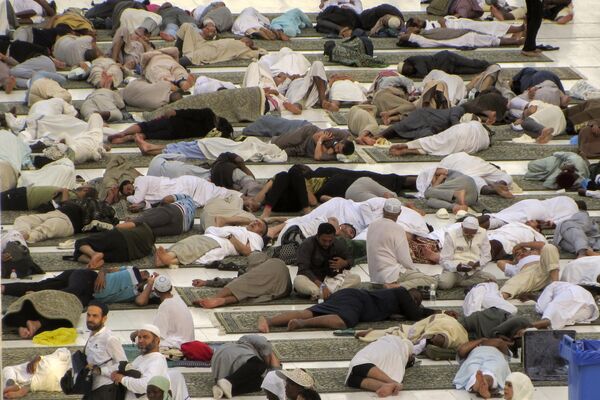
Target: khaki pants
534,277
53,224
303,285
413,279
448,280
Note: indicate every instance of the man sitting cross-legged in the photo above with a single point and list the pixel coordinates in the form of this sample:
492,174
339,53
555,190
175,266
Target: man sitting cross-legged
347,307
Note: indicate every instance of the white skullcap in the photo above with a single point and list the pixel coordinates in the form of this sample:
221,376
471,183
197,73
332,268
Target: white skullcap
470,223
392,206
162,284
394,22
152,329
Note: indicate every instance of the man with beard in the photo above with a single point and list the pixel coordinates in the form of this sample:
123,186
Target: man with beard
104,353
149,363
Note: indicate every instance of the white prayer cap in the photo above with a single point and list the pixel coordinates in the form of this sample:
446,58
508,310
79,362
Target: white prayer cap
470,223
392,206
162,284
394,22
152,329
467,117
298,376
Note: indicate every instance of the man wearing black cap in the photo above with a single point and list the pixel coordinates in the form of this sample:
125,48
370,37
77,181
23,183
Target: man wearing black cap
104,352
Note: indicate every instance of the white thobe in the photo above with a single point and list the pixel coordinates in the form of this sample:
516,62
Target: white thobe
59,173
513,233
469,137
251,149
175,322
457,89
152,189
492,28
389,353
440,234
205,84
388,253
150,365
249,19
105,350
132,18
307,227
410,220
556,209
469,39
564,303
88,145
226,248
48,373
482,172
549,116
484,296
346,90
285,60
582,271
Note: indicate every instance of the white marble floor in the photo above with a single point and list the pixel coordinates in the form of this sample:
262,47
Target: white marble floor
579,48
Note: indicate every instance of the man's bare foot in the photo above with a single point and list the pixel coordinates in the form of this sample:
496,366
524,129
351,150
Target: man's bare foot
144,146
282,36
482,385
119,138
33,327
295,324
293,108
398,150
496,13
96,261
459,207
533,53
545,136
211,302
263,325
166,37
24,333
198,283
502,190
389,389
161,257
459,196
188,83
9,84
565,20
330,105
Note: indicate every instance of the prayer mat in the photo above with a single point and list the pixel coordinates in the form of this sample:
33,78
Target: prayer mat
497,203
340,118
496,152
53,262
527,184
505,133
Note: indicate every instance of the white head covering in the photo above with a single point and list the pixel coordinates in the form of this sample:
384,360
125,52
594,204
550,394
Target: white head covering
394,22
470,223
392,206
162,284
151,328
522,386
424,181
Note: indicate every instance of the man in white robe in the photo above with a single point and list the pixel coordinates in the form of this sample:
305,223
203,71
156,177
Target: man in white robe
582,271
486,295
250,22
506,237
146,190
469,39
492,28
563,304
388,253
543,120
554,210
469,137
488,178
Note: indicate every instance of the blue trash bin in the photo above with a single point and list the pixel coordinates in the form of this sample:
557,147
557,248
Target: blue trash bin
584,367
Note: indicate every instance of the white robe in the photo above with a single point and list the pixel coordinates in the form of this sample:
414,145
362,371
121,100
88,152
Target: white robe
556,209
484,296
550,116
513,233
87,145
249,19
307,227
482,172
564,304
285,60
59,173
252,149
152,189
582,271
470,39
457,89
410,220
469,137
492,28
226,248
346,90
132,18
389,353
205,84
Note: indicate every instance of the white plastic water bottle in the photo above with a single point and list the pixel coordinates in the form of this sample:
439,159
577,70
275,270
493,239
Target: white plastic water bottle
13,274
432,293
321,290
